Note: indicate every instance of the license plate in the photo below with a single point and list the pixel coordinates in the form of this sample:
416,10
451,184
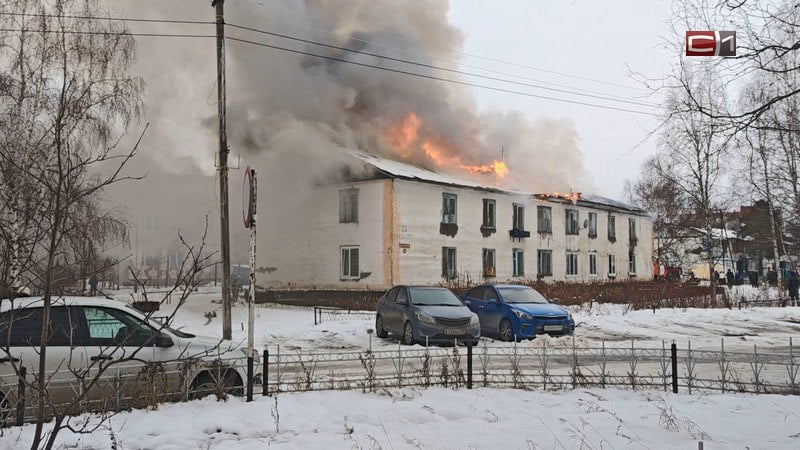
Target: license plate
454,331
552,328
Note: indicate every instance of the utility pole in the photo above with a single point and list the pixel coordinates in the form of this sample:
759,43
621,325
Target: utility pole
223,172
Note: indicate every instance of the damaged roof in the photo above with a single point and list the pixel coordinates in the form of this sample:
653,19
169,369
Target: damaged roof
397,169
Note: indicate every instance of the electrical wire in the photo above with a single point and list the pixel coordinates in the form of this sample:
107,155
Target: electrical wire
430,66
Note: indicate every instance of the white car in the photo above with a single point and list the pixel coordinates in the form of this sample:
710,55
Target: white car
139,361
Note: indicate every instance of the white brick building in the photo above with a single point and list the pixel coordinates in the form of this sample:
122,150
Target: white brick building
412,226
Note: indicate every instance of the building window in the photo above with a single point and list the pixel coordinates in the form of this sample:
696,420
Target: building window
544,214
448,262
593,264
488,263
449,208
350,269
592,225
544,265
348,206
572,264
612,232
518,218
572,221
612,266
488,213
519,263
632,264
632,230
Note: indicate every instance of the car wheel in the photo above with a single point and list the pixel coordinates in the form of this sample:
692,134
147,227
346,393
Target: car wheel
505,332
408,334
380,331
206,384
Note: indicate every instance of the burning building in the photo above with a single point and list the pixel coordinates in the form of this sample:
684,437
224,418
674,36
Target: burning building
396,223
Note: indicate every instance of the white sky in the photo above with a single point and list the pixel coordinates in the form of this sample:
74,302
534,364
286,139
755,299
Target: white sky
591,39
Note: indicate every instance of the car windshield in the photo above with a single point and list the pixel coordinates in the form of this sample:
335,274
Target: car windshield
433,296
521,295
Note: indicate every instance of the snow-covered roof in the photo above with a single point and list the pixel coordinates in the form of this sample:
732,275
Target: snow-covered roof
600,200
405,170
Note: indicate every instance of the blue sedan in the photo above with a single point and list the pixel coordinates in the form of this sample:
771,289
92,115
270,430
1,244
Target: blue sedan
509,312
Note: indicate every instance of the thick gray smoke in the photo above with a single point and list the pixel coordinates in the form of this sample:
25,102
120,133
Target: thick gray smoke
289,114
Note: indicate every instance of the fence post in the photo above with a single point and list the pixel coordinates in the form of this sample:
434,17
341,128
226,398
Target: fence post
315,315
250,378
469,364
21,397
265,381
673,350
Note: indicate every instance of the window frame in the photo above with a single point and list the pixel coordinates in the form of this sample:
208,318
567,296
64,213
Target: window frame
631,264
572,227
484,253
612,265
517,262
592,264
632,233
612,228
592,225
445,259
348,274
348,205
539,264
518,216
449,200
575,264
489,214
544,221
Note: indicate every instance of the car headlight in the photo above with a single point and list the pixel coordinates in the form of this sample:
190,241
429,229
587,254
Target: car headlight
422,317
473,320
522,315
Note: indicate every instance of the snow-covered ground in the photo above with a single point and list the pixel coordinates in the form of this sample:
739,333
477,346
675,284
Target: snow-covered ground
480,418
439,418
293,327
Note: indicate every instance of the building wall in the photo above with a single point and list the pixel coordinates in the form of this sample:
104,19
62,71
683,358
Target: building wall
399,239
419,212
301,246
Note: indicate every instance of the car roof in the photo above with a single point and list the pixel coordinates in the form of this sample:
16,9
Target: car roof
420,286
35,302
513,286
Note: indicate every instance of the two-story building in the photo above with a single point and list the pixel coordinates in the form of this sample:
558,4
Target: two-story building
408,225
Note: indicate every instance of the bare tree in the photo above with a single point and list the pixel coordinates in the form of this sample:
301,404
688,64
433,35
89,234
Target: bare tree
66,99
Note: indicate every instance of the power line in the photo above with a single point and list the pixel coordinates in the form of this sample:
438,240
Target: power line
539,69
430,66
404,72
121,19
433,77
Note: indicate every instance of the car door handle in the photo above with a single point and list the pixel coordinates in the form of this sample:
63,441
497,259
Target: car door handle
101,358
8,359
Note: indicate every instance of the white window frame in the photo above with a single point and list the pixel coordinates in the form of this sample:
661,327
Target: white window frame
346,262
449,265
348,205
632,235
544,217
612,228
572,263
592,264
517,262
632,264
518,216
612,265
448,216
489,213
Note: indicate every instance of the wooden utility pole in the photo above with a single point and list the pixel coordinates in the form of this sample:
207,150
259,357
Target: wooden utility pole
223,172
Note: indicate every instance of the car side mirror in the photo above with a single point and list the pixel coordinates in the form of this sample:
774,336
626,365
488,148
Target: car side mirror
492,301
551,300
163,341
467,303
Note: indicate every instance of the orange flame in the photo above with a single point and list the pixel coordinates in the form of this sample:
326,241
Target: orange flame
571,196
406,135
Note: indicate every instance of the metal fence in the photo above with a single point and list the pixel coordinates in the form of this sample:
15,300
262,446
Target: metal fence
544,366
328,313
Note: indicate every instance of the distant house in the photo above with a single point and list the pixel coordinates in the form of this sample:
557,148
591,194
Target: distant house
409,225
